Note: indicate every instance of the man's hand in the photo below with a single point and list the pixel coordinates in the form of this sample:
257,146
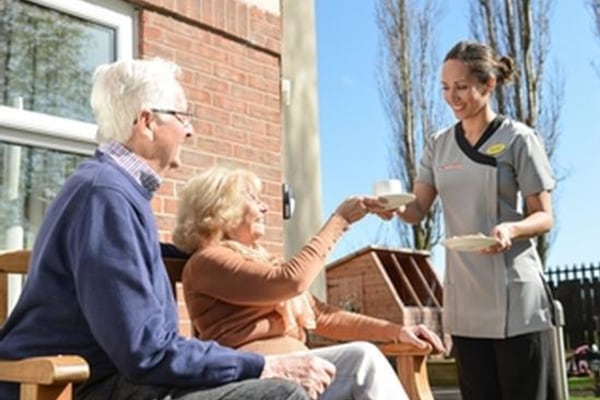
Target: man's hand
314,374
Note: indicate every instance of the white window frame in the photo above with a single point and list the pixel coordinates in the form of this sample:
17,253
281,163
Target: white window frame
44,130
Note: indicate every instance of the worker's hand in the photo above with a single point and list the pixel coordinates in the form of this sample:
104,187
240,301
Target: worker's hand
503,233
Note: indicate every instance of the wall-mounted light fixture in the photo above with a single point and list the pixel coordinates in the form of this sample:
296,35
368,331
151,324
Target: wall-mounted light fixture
289,202
286,91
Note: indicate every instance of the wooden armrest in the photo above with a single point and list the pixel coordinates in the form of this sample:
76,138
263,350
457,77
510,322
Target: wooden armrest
14,261
45,370
404,349
411,367
410,363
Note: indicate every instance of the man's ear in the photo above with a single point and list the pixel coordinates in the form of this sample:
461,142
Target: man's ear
145,117
143,121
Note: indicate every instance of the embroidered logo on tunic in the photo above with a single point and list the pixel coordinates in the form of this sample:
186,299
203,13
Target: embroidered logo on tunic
452,166
495,149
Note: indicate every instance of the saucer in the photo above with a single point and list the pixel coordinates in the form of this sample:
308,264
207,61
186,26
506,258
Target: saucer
395,200
476,242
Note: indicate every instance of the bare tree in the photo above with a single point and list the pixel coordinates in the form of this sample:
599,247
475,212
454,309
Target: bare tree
408,66
521,29
595,9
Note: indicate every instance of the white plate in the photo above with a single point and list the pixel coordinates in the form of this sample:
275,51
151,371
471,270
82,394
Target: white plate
475,242
395,200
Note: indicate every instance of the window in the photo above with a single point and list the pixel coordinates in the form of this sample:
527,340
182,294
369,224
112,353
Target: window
30,179
48,52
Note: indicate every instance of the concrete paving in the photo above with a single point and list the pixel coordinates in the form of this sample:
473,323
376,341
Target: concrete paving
446,393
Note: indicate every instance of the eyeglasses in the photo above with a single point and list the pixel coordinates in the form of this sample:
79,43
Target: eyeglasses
185,118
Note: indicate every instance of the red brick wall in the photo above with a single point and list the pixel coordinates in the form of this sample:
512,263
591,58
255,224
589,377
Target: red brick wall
230,58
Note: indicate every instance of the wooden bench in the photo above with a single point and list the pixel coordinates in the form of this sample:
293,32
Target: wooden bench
52,378
41,378
411,361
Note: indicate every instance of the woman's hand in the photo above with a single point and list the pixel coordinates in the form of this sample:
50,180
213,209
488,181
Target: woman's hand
420,336
504,234
538,221
352,209
356,207
378,208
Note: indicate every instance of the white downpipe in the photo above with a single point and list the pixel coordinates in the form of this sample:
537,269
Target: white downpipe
15,233
560,370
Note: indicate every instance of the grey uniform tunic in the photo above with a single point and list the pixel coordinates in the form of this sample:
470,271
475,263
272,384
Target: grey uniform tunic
491,296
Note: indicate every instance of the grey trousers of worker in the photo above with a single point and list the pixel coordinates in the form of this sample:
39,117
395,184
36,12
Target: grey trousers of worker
118,388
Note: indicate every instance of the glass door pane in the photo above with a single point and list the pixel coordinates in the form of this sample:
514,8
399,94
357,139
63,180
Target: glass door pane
31,177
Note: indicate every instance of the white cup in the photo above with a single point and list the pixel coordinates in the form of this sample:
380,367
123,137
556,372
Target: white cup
387,186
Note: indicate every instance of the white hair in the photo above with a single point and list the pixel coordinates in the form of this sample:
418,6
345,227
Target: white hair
122,89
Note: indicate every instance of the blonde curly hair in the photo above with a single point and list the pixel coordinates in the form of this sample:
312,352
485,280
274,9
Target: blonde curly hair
210,205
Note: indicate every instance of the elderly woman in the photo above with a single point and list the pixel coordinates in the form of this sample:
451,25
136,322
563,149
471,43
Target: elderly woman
241,296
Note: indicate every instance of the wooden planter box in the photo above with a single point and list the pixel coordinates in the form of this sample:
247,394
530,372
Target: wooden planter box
399,285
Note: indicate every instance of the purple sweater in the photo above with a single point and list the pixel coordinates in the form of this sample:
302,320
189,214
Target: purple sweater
97,287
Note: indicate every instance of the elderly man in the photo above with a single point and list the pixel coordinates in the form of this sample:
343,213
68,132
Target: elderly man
97,286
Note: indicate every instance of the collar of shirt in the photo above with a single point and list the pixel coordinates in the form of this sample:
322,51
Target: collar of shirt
133,164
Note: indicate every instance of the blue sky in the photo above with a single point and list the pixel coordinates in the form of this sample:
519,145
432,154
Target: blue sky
355,134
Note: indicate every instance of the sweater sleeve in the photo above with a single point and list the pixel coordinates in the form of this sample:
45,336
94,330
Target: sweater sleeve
125,297
335,323
224,274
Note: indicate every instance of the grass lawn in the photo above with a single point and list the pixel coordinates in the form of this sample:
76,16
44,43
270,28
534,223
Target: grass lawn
581,388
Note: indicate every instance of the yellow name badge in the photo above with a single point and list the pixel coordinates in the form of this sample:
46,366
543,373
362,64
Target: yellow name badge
495,149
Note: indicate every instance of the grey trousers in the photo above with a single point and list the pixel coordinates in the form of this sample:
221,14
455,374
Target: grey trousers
362,373
118,388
